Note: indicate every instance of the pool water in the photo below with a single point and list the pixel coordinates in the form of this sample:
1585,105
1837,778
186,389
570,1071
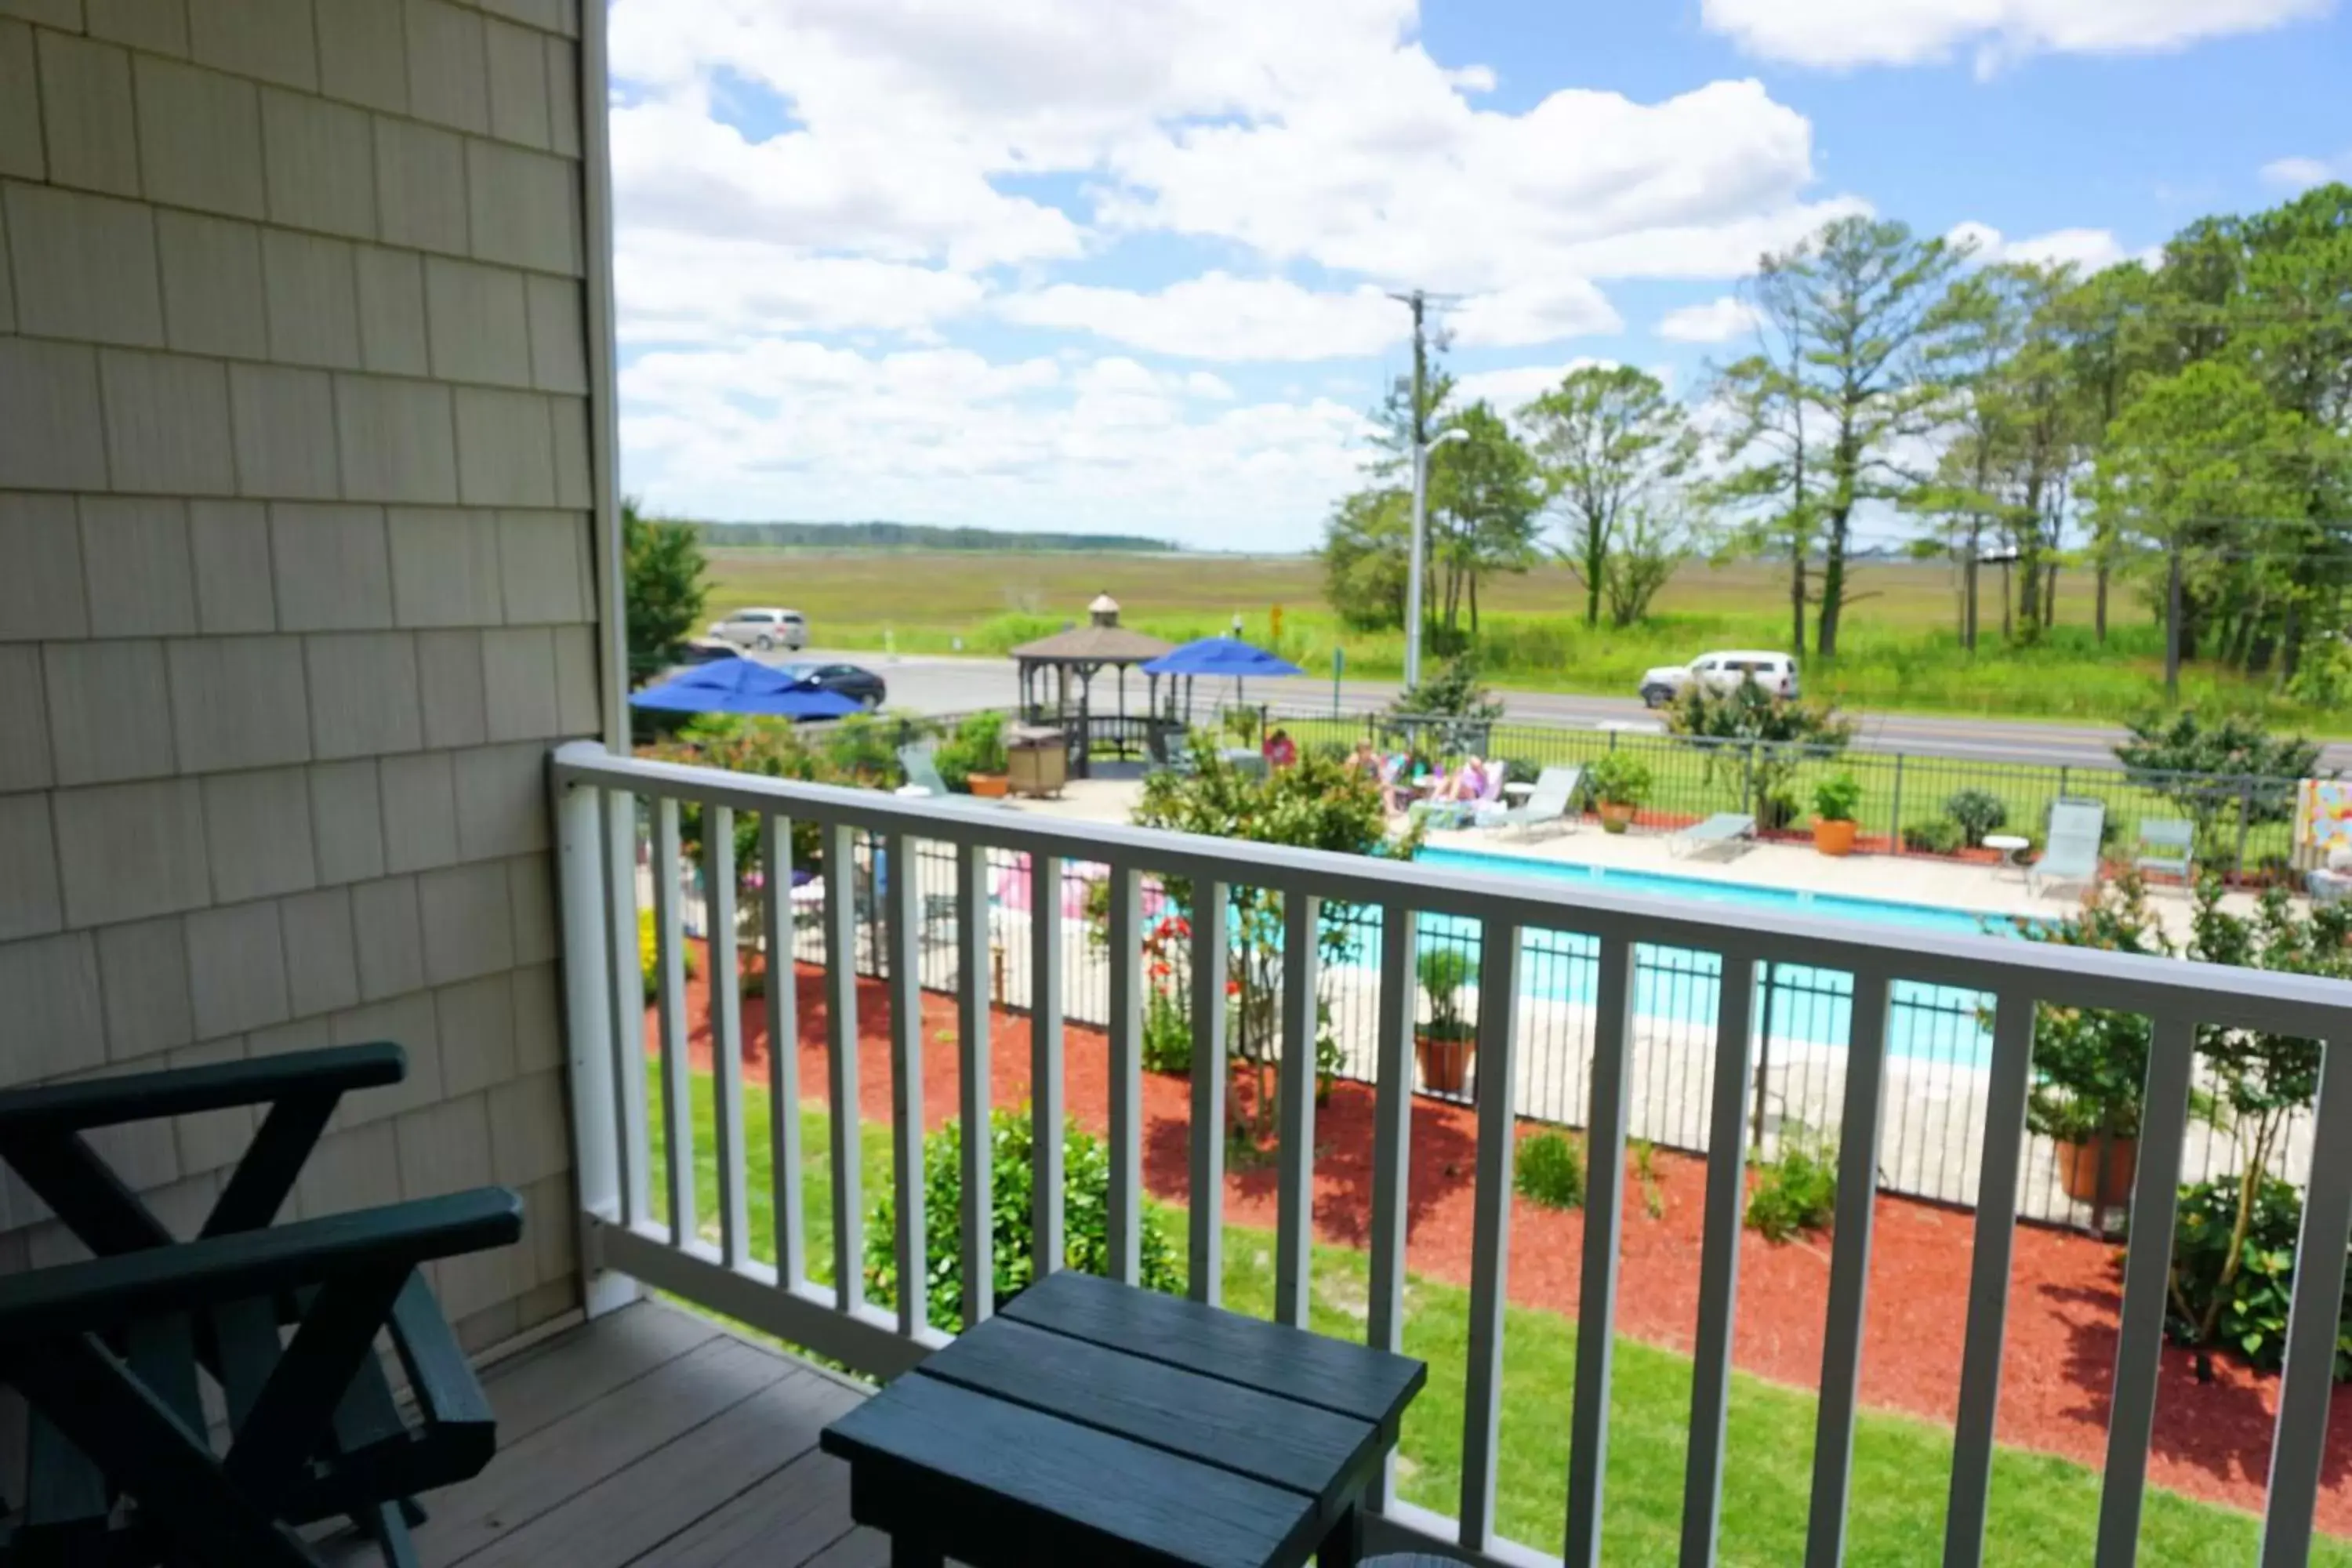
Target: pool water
1677,986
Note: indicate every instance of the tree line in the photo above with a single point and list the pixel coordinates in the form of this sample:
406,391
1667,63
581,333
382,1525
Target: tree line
2180,428
917,536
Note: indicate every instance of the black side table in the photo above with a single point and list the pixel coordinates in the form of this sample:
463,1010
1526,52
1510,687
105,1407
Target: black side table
1094,1423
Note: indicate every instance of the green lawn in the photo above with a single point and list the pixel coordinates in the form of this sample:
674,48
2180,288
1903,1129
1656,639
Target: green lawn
2044,1510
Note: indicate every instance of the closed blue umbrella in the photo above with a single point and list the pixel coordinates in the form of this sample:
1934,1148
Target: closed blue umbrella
743,686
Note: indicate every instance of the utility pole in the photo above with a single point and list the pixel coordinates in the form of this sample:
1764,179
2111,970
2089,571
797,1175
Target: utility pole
1418,304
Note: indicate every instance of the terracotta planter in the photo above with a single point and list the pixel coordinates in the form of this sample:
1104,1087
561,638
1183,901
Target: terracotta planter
1444,1064
1616,815
2080,1173
989,785
1833,837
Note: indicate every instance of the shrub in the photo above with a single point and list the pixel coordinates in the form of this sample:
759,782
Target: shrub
1619,778
1085,1219
1444,971
1940,836
1977,812
976,747
1549,1170
1837,797
1167,1034
649,955
1798,1192
2252,1301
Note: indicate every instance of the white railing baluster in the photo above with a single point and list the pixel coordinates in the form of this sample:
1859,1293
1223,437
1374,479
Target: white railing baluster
726,1034
677,1078
1604,1219
1719,1267
1490,1226
628,1003
1125,1215
2006,1084
1391,1149
974,1020
904,972
2307,1383
1205,1264
1045,1093
1857,1202
841,1063
590,1048
1294,1267
784,1052
2148,1267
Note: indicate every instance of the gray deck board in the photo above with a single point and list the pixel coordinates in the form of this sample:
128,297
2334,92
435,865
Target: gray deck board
650,1438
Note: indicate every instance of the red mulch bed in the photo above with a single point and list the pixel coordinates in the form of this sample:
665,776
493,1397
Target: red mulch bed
2211,1440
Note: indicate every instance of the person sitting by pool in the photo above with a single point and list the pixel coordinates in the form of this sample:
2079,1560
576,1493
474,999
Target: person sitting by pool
1281,751
1394,774
1364,760
1465,785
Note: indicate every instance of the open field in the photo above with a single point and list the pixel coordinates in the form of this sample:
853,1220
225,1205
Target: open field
1901,649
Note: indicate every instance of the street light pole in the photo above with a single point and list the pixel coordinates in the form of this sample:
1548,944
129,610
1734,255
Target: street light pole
1421,451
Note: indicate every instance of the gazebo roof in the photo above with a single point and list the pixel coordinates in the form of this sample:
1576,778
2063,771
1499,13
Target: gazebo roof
1093,645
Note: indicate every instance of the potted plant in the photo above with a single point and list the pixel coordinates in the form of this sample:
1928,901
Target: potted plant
2090,1065
1621,782
981,738
1835,800
1444,1045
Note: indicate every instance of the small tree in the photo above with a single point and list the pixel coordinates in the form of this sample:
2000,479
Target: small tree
2090,1065
2207,769
1321,803
1465,711
662,566
1764,736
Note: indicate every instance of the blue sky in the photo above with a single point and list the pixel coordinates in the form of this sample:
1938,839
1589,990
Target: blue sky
1052,264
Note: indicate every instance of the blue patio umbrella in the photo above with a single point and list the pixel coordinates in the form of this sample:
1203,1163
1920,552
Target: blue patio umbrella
1230,657
743,686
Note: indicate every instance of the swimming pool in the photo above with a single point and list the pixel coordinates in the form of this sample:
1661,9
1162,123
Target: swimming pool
1676,987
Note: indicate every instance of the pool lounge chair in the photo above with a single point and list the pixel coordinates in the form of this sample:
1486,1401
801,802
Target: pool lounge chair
1548,803
2167,847
922,772
2071,859
1732,832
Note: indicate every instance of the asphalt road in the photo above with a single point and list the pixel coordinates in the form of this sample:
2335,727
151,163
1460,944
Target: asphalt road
940,685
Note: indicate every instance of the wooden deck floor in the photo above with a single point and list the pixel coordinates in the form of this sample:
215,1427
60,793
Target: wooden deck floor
652,1436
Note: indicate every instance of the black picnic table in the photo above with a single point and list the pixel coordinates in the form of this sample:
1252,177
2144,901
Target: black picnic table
1094,1422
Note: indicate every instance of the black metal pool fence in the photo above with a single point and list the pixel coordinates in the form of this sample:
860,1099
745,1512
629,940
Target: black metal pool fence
1938,1036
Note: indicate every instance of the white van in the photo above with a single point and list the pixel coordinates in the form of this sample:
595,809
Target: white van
762,629
1775,672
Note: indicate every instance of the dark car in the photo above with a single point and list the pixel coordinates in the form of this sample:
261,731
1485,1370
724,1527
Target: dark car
860,686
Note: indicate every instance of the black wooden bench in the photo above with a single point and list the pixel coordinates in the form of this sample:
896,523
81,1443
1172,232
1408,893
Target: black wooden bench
113,1355
1095,1423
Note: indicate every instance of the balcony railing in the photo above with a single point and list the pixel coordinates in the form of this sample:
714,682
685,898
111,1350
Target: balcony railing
637,1172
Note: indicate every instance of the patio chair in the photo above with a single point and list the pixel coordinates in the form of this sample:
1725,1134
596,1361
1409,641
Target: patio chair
110,1354
1730,832
1549,802
2071,858
922,772
2167,847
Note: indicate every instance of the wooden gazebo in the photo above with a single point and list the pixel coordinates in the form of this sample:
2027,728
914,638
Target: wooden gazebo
1058,676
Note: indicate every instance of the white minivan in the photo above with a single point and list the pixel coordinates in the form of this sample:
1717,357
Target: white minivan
1775,672
762,629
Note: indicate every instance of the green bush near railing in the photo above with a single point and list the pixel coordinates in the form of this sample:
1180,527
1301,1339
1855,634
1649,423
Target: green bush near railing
1085,1219
1797,1191
1548,1169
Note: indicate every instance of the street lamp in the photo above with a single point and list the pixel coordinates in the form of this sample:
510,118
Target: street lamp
1421,451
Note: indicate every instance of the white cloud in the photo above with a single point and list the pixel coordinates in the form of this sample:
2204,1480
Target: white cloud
1510,390
674,287
1718,322
1217,316
1907,32
786,428
2087,250
2299,174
